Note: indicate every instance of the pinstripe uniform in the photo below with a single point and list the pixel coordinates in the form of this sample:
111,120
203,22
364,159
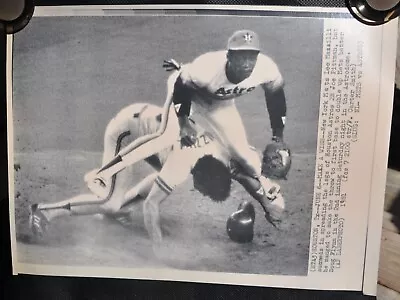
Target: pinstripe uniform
174,163
130,123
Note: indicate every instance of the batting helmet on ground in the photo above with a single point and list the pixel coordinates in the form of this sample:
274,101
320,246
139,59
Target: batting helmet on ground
240,224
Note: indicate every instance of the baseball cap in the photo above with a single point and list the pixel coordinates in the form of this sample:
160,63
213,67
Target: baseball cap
244,40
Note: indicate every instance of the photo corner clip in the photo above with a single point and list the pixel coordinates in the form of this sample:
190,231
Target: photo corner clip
15,15
374,12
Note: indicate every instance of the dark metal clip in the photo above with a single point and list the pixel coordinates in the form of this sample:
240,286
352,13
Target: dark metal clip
374,12
15,14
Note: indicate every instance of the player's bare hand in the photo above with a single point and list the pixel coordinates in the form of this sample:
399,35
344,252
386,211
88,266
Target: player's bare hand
188,140
188,135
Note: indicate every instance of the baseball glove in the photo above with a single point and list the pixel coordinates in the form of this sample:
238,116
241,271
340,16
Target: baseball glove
277,160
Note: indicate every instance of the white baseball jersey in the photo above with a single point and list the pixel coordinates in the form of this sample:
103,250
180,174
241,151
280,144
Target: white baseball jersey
182,159
140,118
176,160
207,75
130,123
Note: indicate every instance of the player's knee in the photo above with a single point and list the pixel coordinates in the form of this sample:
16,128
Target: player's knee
150,207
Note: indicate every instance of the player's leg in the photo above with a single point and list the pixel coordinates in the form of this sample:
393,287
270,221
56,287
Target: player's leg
122,194
228,126
144,147
133,200
142,189
174,172
128,198
84,204
41,214
151,210
117,132
87,204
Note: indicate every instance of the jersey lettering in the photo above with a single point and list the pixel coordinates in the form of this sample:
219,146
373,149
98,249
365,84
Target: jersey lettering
201,141
235,91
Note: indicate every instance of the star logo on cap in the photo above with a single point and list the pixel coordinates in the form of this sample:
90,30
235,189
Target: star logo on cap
248,37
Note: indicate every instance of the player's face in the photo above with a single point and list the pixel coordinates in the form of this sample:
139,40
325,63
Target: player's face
242,62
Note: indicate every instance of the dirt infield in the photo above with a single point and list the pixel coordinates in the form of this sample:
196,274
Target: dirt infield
69,80
194,226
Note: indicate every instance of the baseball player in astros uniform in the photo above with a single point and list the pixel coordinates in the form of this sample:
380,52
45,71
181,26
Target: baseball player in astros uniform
173,164
206,89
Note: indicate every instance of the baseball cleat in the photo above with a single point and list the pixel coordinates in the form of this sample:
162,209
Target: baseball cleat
38,222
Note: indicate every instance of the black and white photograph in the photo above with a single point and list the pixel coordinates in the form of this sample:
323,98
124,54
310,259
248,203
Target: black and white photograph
182,142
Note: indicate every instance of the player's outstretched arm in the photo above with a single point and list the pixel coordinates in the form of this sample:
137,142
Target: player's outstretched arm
276,106
265,197
275,97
